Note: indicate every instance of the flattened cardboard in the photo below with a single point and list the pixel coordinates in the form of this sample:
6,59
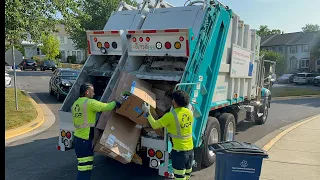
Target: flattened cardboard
163,102
121,136
132,109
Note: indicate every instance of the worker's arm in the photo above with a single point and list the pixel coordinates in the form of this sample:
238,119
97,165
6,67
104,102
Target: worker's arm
160,123
100,106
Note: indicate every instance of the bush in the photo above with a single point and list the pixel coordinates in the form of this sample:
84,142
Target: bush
72,59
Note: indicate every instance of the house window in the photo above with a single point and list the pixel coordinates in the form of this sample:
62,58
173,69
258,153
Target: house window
304,63
78,54
273,48
280,49
38,51
293,49
305,48
318,63
63,39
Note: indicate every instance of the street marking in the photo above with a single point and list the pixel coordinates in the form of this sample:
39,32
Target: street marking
269,145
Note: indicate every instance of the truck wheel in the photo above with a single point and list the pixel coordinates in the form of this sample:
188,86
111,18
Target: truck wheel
212,135
227,126
262,119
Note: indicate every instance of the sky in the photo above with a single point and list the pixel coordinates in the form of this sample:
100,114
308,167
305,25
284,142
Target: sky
286,15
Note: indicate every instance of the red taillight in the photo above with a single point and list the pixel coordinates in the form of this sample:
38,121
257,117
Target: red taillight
68,135
106,45
151,152
181,38
167,45
95,39
147,39
166,174
59,148
134,39
140,39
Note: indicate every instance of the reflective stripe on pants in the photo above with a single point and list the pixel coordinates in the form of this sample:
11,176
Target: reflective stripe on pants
188,173
84,152
182,164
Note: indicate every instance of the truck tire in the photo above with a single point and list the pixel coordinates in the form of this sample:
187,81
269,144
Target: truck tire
227,126
263,118
212,135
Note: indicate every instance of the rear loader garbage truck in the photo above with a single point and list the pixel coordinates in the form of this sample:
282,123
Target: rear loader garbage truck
202,47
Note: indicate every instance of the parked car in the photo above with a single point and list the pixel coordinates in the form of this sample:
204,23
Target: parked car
316,81
48,65
28,64
7,80
286,78
62,81
304,78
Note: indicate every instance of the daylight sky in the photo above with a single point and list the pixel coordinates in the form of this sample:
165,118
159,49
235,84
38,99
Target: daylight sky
286,15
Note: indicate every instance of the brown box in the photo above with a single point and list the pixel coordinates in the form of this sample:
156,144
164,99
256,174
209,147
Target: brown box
102,122
163,102
120,137
132,108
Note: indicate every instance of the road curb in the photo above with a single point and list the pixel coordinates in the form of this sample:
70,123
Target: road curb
283,131
296,97
27,127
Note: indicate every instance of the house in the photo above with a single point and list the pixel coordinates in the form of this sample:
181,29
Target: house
67,47
296,49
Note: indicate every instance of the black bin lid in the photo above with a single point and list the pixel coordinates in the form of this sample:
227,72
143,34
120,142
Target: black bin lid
236,147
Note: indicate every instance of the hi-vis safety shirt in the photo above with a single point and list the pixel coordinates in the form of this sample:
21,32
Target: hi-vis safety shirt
84,112
179,125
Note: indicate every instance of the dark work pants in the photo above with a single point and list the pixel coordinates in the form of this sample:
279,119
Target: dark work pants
84,152
182,164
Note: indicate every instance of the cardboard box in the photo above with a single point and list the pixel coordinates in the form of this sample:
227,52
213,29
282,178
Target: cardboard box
102,122
120,138
163,102
132,108
130,84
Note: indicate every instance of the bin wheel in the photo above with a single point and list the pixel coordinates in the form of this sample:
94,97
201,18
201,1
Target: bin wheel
227,126
212,135
262,119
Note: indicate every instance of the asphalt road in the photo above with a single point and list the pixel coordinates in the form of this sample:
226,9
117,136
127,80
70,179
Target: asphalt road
37,158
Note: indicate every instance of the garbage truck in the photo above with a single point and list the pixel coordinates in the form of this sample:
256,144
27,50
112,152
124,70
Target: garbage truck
202,47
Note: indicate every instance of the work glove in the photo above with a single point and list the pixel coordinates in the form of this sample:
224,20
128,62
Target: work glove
145,107
118,104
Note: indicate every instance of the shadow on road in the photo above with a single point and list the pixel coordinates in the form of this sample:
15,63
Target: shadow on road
311,102
27,161
31,73
47,98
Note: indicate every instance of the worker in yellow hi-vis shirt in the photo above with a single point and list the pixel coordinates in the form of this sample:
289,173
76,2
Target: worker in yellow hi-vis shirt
179,125
84,112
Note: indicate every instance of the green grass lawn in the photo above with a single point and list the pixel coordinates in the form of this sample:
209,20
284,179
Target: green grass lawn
286,91
24,115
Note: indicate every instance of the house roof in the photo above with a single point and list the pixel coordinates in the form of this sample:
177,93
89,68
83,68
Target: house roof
266,38
281,39
306,38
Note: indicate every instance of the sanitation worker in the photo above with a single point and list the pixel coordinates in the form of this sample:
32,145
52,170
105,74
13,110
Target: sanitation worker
179,125
84,111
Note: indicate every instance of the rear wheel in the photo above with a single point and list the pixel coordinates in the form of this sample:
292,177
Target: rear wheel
262,119
227,126
212,135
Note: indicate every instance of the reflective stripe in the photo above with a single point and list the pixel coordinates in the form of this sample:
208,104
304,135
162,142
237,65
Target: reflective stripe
176,178
188,171
85,168
179,172
178,130
85,117
187,177
85,159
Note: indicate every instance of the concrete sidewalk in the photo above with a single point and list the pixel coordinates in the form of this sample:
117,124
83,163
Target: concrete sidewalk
296,155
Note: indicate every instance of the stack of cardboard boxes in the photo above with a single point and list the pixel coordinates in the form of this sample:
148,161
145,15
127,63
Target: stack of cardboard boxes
118,131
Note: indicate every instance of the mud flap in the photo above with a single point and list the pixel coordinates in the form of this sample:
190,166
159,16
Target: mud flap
197,159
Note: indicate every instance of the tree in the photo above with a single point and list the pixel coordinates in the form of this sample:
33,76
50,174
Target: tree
311,28
264,30
87,15
50,46
278,58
